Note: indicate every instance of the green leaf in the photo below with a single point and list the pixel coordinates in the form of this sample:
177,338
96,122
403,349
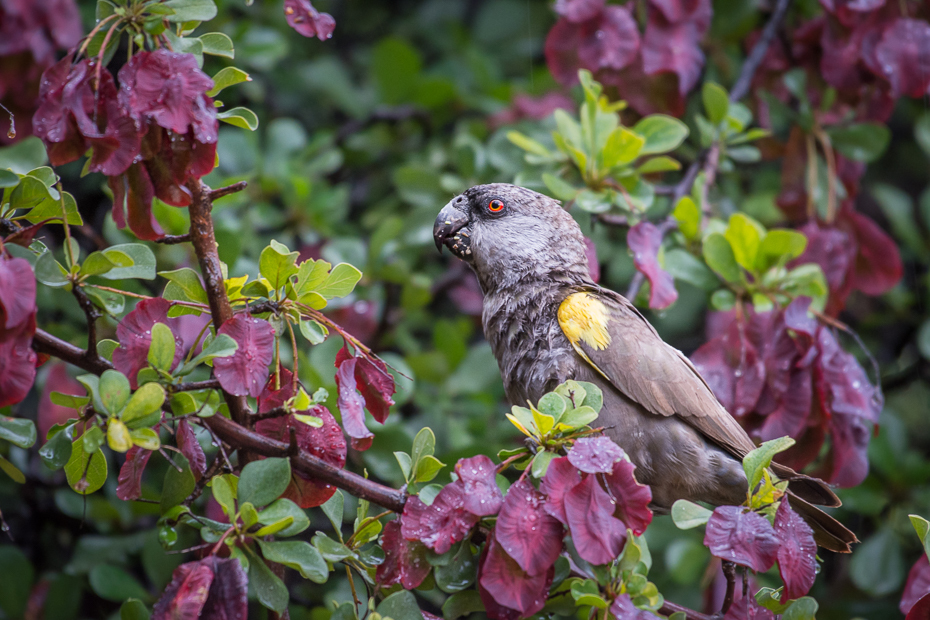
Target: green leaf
400,606
177,484
898,207
528,144
162,348
12,471
277,264
49,271
685,266
189,282
118,437
540,464
281,508
462,604
8,179
112,583
877,566
341,281
299,555
863,142
240,117
57,450
759,459
221,346
94,464
16,577
587,593
662,133
716,102
134,609
687,515
225,489
559,188
18,431
191,10
331,550
553,404
333,509
145,438
98,263
578,417
804,608
145,402
658,164
262,482
778,247
313,332
275,527
622,147
424,444
688,216
143,263
68,400
226,77
718,253
53,208
271,591
428,468
217,44
114,391
744,234
922,527
459,572
406,465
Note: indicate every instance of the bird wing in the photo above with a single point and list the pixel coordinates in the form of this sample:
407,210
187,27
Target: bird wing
613,337
620,344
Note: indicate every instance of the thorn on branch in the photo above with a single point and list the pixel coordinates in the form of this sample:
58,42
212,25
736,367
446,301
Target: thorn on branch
213,194
174,239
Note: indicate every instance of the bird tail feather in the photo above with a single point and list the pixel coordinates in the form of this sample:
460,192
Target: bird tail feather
828,532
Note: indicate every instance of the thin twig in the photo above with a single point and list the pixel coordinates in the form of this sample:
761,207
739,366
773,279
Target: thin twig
191,386
174,239
729,573
215,194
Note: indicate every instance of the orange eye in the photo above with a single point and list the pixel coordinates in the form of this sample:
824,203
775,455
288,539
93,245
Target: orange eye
496,206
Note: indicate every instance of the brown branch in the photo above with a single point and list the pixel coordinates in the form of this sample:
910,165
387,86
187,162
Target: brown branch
204,242
174,239
668,608
243,438
729,572
215,194
191,386
92,314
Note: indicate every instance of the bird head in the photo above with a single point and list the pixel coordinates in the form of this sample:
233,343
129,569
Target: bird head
506,233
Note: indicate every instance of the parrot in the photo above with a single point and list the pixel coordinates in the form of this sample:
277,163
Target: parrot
548,322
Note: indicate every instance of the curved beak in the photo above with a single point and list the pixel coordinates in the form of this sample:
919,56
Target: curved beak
449,223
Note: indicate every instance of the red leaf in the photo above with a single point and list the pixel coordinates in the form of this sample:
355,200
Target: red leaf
903,54
921,610
502,580
673,37
306,20
528,535
17,361
790,415
595,455
609,40
404,561
632,498
326,443
130,474
528,107
845,382
746,608
597,534
796,563
190,448
878,267
50,414
644,241
351,406
917,587
17,291
134,333
746,538
245,371
733,369
171,89
623,609
578,10
185,596
228,595
139,197
272,397
560,478
478,476
373,381
441,524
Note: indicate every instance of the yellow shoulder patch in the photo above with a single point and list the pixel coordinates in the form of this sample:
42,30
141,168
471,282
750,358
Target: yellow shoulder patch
584,317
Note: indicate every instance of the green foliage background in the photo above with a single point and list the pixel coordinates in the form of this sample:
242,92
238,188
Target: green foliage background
362,139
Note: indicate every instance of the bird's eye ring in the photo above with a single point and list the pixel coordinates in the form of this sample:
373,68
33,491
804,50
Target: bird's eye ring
496,206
